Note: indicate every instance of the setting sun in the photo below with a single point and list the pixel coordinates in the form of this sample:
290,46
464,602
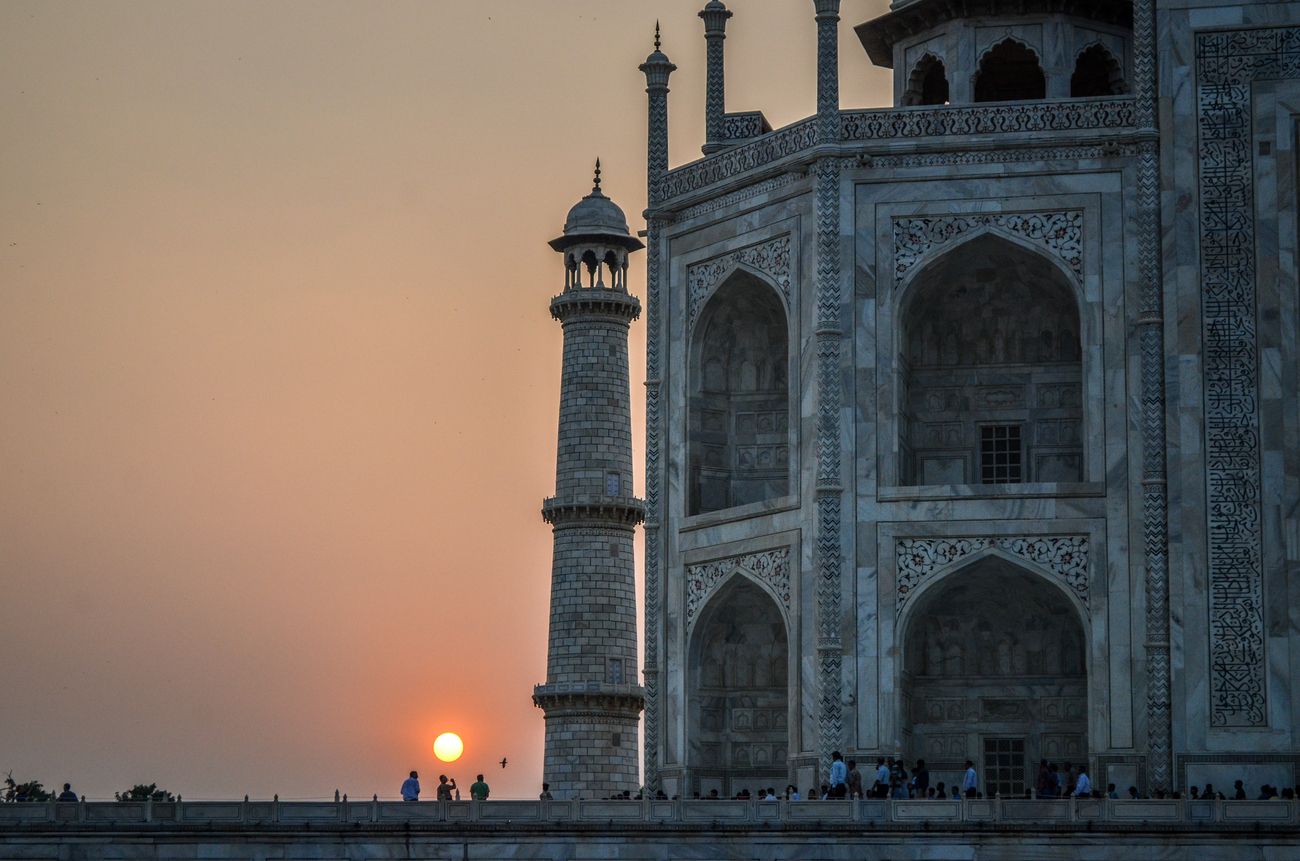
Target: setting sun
448,747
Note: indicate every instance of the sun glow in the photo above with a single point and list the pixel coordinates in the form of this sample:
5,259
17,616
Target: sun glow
448,747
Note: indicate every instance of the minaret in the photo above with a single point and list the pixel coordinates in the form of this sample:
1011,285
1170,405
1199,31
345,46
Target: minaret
591,699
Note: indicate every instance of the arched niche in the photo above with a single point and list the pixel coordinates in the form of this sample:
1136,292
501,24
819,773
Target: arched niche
994,669
990,369
928,83
1010,72
738,694
738,431
1096,73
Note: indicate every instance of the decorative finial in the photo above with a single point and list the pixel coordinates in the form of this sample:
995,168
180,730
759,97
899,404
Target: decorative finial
656,35
596,187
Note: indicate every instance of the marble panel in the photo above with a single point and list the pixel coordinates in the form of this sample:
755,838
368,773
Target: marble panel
309,811
1033,810
519,811
418,811
908,811
820,811
210,811
1154,810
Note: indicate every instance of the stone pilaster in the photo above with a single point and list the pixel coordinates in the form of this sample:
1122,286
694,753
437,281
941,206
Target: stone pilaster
715,16
657,69
1155,501
829,334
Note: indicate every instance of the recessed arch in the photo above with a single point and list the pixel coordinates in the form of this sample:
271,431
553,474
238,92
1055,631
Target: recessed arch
993,660
990,367
738,705
1097,73
1010,71
928,82
738,417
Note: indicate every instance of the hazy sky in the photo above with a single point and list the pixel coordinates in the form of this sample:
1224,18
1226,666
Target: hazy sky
279,383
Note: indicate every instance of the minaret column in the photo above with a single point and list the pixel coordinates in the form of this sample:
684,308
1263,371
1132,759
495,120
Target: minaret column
590,698
715,16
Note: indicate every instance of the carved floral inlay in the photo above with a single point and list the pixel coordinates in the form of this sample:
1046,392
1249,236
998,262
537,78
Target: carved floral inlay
1066,556
770,567
1058,233
772,258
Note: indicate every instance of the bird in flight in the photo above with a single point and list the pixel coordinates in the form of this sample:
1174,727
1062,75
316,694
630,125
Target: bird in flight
503,762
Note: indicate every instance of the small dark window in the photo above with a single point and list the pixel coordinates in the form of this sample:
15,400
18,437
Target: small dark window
616,671
1010,73
1000,457
1004,767
612,484
616,740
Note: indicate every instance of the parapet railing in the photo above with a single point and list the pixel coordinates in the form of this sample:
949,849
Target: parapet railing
731,813
1102,114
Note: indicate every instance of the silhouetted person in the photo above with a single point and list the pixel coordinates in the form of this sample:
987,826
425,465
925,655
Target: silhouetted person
1083,783
67,794
969,781
1238,791
478,790
855,780
921,779
546,793
839,777
445,787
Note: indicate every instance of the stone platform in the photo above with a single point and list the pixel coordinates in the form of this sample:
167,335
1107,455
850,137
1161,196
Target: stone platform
660,830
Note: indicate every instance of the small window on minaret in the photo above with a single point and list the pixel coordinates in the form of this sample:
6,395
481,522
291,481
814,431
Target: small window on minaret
616,740
616,671
612,483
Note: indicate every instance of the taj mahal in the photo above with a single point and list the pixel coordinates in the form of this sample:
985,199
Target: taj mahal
972,433
971,423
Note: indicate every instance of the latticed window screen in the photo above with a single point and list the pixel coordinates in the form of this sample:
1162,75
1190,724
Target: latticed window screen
1000,456
1004,767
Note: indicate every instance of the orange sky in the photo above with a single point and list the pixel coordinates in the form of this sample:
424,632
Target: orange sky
279,382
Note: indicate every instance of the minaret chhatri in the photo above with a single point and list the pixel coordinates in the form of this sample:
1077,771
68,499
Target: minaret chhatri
591,699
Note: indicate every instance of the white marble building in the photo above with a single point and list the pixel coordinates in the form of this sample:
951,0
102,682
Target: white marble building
972,422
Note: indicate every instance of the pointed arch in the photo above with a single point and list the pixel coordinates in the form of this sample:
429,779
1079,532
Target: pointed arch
1009,71
917,267
936,580
738,700
996,633
738,416
928,82
1097,73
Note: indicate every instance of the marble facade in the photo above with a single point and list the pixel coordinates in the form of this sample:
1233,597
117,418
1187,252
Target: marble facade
977,373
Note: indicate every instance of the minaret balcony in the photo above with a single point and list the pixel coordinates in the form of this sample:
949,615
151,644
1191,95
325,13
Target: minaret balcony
603,510
578,698
595,302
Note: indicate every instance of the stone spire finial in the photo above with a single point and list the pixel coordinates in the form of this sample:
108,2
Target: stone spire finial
657,68
828,68
715,16
595,187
